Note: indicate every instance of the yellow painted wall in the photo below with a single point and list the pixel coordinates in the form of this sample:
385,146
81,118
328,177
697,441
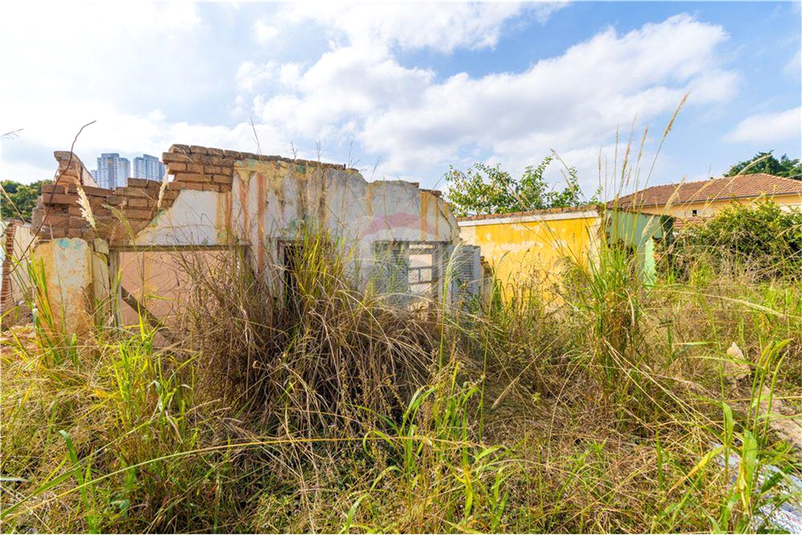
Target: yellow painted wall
526,252
711,208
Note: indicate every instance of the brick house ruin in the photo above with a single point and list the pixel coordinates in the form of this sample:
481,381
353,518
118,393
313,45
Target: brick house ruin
222,200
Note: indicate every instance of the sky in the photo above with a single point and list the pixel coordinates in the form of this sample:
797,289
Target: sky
404,91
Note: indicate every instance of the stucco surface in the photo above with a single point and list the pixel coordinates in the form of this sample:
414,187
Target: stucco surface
67,268
711,208
272,201
534,251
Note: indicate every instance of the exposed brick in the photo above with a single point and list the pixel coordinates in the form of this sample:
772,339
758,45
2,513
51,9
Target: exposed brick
57,220
215,160
138,183
215,152
50,232
194,168
176,167
168,157
197,149
193,177
229,170
60,199
106,225
232,154
212,169
132,192
170,194
222,179
90,190
140,202
138,214
54,188
197,186
179,148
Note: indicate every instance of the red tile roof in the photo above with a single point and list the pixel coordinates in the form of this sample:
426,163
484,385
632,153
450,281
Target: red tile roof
735,187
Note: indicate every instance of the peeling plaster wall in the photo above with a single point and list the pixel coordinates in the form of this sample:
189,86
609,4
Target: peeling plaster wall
272,200
67,267
219,198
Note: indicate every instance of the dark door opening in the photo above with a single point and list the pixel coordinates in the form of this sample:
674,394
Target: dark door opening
292,262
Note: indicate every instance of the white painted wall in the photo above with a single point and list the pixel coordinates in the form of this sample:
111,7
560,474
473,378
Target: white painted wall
270,200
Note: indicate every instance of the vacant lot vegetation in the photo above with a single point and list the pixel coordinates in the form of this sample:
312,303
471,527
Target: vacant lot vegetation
614,407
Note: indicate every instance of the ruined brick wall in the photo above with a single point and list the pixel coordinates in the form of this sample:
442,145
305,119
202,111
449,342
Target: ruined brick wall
221,198
210,169
6,296
119,215
116,214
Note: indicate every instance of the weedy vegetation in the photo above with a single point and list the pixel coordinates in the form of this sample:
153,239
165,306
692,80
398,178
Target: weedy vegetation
613,406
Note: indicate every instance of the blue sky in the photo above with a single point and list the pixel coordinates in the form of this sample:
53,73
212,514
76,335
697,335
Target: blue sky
406,90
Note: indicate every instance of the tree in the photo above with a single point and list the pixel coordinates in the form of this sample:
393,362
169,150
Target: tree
765,162
18,200
486,189
761,235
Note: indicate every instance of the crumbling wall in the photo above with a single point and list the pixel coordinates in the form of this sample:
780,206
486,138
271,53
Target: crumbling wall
271,199
222,198
115,215
17,239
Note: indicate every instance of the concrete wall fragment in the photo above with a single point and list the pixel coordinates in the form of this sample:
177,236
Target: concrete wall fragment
220,198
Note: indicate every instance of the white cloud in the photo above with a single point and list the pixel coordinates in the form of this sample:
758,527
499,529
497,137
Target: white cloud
265,33
358,89
768,127
572,103
346,84
443,27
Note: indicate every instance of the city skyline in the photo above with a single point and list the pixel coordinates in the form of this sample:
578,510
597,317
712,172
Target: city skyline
149,167
114,170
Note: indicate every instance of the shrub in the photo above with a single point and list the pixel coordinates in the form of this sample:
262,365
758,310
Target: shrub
762,236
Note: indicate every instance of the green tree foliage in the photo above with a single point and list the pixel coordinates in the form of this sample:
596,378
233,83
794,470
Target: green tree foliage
762,235
18,200
765,162
486,189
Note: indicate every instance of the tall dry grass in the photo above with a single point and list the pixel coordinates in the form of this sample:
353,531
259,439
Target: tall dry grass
619,406
609,413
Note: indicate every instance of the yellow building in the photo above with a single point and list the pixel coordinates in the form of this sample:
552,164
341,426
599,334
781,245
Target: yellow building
530,250
708,197
531,247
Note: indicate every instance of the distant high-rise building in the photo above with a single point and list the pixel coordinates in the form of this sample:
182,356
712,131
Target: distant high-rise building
112,171
149,167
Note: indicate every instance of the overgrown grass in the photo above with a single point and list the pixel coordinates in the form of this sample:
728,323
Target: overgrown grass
625,408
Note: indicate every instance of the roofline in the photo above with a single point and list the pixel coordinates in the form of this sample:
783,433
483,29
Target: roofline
681,184
532,216
240,156
714,199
